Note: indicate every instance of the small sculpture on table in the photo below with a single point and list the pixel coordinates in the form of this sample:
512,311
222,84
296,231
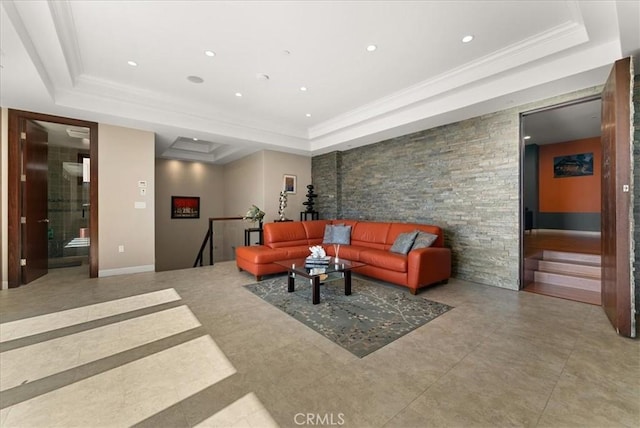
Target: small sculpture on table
254,214
283,205
310,197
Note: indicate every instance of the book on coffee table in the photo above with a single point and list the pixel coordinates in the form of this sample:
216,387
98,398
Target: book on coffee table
317,261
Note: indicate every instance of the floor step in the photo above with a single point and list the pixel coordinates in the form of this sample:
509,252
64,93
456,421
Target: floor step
585,270
573,281
585,296
593,259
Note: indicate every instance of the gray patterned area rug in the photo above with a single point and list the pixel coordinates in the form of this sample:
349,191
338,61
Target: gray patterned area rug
373,316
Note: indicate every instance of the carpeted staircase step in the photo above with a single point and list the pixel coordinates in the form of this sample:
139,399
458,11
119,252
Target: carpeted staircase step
575,281
570,268
563,256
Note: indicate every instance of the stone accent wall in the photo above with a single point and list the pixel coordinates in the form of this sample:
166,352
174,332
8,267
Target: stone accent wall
460,177
326,173
464,177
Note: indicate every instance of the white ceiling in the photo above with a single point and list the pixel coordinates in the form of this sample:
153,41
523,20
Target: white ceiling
70,58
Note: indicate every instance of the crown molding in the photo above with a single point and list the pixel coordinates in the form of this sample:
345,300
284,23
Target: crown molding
67,36
18,24
440,110
565,36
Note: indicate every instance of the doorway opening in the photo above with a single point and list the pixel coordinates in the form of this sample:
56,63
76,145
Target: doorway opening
561,201
53,195
69,184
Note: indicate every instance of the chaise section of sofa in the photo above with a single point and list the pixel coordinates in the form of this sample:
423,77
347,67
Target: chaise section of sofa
370,244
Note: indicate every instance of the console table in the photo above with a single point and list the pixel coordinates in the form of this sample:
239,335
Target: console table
315,215
247,235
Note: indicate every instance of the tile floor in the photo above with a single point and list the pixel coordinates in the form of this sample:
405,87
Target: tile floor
194,348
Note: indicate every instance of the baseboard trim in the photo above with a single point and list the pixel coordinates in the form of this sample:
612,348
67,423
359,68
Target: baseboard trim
126,270
5,285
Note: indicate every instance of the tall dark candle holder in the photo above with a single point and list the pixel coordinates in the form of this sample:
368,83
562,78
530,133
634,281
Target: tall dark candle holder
310,198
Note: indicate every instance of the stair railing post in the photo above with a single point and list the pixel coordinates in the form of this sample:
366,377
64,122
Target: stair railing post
211,241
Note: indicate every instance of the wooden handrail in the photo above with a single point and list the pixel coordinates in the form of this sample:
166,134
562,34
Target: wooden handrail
209,237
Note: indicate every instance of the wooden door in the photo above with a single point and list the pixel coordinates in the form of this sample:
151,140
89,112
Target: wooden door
34,202
616,194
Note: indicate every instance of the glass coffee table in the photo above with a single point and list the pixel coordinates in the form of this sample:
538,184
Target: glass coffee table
317,274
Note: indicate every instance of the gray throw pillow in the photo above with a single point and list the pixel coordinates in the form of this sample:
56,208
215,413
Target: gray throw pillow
424,240
341,235
328,233
403,242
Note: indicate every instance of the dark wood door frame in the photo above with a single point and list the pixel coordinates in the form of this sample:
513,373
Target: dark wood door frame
14,190
616,199
35,154
615,212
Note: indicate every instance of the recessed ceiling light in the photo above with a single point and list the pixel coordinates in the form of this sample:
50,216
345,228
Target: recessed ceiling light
195,79
527,137
262,76
209,53
308,114
195,139
286,52
303,88
238,94
132,63
467,39
371,48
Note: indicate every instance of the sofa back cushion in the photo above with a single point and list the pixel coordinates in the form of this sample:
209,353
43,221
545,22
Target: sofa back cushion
370,234
397,228
315,230
285,234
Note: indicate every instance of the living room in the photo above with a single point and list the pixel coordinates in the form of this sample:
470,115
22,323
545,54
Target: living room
458,166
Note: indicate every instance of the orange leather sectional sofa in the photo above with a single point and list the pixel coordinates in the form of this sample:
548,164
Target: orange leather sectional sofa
370,244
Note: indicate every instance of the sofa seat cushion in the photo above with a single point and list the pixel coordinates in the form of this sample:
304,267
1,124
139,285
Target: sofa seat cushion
297,252
348,252
384,259
261,254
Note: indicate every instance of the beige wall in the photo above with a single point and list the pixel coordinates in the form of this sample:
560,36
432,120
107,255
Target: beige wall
258,179
224,191
276,164
178,240
148,235
243,184
125,157
4,192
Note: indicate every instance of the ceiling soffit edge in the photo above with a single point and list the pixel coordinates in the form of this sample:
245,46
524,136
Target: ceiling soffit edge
27,42
441,110
556,39
67,36
174,114
133,97
544,44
